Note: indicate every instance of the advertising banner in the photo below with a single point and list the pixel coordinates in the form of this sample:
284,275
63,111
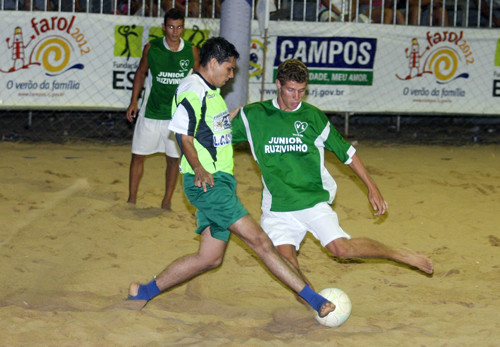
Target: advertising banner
365,68
76,61
82,61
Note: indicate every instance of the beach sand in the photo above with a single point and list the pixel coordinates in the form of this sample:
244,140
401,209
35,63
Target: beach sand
70,245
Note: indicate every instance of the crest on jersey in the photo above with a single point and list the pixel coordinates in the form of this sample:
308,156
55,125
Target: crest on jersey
184,64
300,127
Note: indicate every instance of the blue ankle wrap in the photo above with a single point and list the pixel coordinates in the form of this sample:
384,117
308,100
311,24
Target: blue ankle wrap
314,299
147,291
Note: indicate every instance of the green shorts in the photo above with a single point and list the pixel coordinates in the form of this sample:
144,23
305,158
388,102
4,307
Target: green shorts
218,208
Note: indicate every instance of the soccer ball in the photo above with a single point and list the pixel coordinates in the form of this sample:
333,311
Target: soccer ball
342,307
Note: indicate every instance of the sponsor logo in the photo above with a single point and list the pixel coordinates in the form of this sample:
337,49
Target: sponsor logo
330,60
442,55
222,139
221,122
55,44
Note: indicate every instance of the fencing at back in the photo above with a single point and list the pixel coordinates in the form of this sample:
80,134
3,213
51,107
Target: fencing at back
82,58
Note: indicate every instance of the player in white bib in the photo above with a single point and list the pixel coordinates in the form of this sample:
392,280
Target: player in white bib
288,137
165,61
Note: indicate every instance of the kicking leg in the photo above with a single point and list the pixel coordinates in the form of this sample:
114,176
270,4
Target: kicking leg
367,248
135,175
171,174
253,235
289,253
209,256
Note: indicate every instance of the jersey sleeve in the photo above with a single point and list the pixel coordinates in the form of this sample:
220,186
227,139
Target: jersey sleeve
335,143
239,130
186,109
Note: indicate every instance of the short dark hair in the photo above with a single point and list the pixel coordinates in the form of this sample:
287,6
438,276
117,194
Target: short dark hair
173,13
218,48
292,70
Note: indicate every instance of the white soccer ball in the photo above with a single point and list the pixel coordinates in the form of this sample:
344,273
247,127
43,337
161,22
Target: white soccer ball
342,310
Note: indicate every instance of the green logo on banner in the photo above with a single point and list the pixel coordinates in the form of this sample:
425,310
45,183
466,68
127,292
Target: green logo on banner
155,32
497,54
194,35
128,41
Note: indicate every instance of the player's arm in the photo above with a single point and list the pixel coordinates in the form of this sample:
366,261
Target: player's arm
238,127
139,78
234,112
196,55
374,196
201,176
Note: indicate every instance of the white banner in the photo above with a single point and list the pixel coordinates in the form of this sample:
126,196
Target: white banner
77,61
366,68
80,61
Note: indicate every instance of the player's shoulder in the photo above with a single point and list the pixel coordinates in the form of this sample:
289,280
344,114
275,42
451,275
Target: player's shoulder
313,111
257,106
192,83
311,108
156,42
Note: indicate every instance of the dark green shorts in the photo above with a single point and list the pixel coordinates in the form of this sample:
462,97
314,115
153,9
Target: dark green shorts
218,208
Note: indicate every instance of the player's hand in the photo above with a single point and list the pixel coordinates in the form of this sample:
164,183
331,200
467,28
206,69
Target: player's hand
234,112
202,177
132,111
378,203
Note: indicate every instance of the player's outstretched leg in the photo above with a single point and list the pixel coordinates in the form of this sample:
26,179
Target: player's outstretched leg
253,235
209,256
363,247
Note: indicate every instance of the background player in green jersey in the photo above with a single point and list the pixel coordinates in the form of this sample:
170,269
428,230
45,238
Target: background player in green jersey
165,61
203,129
288,137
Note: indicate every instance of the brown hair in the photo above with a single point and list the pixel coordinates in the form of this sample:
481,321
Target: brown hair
292,70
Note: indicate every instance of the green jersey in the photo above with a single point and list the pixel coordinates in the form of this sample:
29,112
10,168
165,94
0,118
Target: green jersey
289,148
166,69
200,111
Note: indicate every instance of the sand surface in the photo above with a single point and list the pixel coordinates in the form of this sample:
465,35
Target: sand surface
70,245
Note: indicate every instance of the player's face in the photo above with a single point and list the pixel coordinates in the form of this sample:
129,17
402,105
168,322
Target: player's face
222,72
290,94
173,29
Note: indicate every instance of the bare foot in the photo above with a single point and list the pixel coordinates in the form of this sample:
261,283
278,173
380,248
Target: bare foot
166,206
129,304
133,290
326,309
415,259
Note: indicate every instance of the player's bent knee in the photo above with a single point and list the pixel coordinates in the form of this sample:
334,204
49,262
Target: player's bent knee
339,248
213,263
261,243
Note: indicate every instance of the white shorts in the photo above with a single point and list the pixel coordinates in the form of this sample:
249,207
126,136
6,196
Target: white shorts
153,136
290,228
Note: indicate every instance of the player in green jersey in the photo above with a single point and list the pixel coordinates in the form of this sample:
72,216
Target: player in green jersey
165,61
203,129
288,137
